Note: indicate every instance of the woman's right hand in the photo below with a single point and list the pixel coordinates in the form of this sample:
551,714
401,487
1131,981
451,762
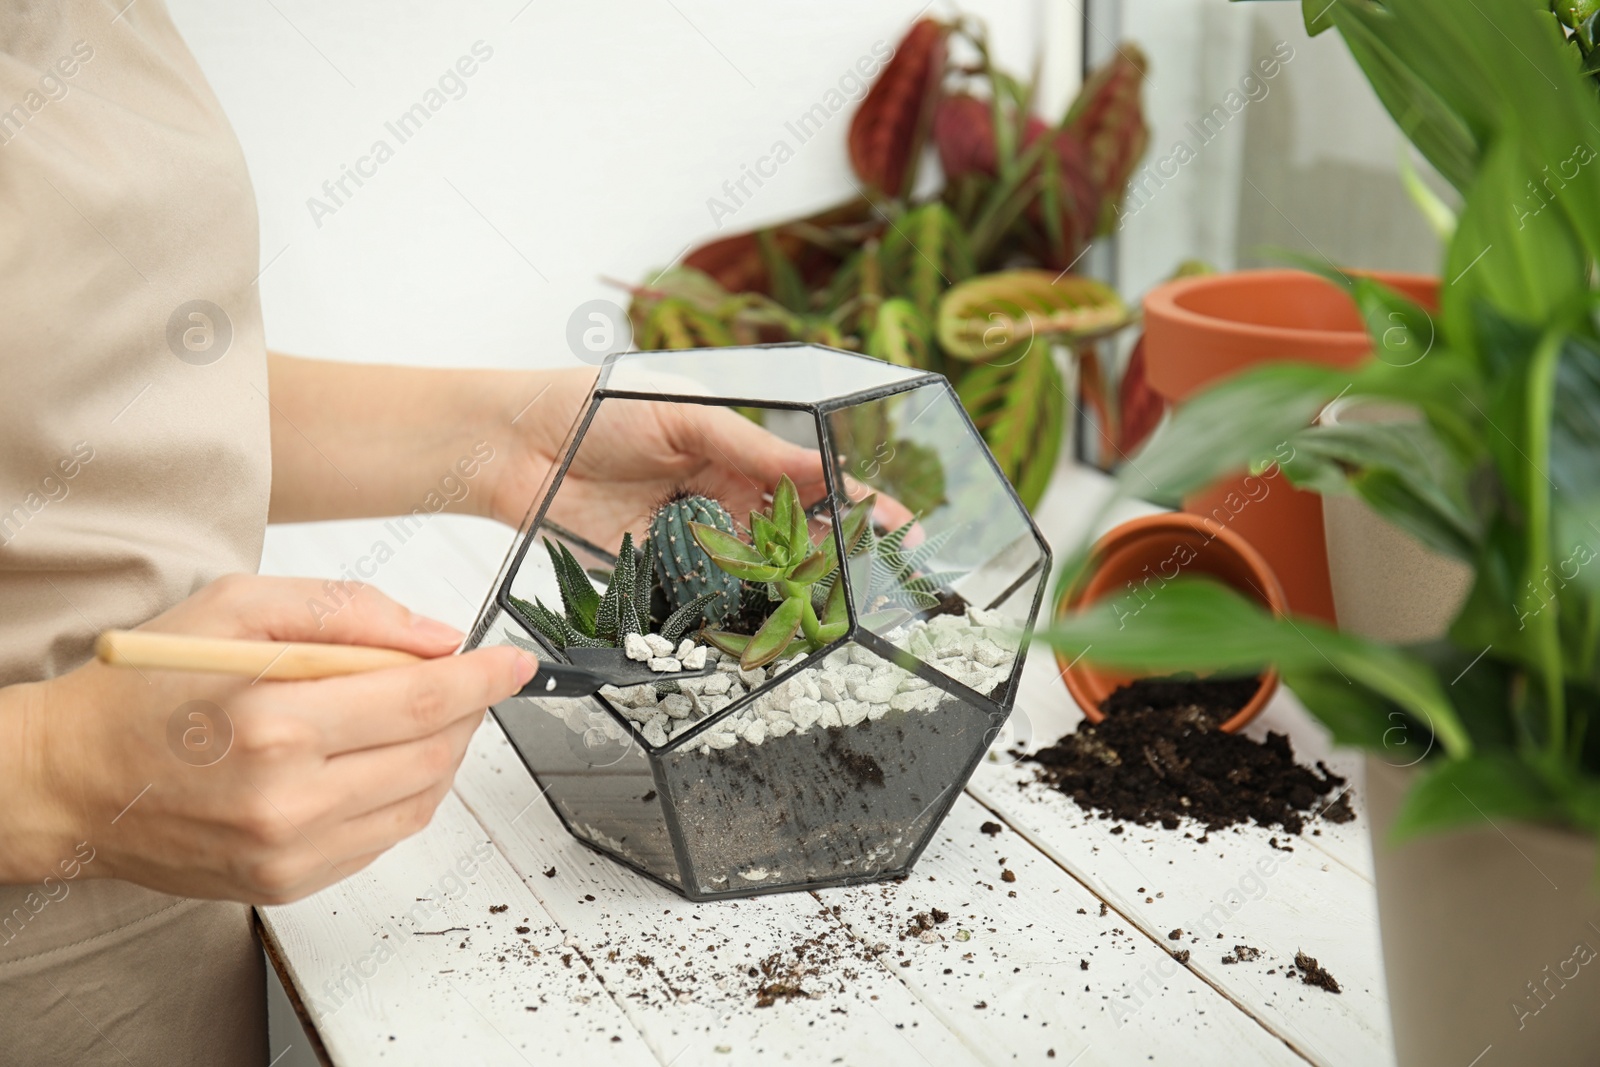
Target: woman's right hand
319,777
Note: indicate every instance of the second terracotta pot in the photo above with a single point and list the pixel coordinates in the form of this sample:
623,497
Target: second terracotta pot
1199,331
1133,562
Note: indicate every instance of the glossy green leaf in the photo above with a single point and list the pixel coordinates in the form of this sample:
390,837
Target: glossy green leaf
1244,422
1458,792
1197,625
721,545
815,567
774,635
785,505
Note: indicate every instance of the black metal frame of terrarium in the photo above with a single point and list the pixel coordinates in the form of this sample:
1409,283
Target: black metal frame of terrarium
842,805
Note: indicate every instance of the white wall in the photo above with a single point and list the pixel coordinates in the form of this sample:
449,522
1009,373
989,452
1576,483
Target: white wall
586,147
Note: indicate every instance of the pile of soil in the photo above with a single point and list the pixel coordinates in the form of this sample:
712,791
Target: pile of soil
1160,757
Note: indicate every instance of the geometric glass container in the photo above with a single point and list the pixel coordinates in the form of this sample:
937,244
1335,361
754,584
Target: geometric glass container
832,764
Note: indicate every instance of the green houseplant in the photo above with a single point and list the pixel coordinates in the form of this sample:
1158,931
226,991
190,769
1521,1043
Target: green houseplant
974,279
1501,470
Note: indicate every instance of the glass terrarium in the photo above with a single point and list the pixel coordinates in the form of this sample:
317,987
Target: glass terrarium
831,646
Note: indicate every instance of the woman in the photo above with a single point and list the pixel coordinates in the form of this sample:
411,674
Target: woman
148,437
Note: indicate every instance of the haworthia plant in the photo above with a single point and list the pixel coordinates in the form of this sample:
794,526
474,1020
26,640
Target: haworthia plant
590,619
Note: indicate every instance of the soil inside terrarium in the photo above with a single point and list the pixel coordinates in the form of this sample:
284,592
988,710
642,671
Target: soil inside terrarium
1160,757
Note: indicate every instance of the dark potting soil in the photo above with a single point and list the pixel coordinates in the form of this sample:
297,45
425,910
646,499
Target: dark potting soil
1219,697
1160,757
1311,973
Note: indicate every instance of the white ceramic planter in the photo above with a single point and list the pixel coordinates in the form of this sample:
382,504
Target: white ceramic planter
1491,940
1387,585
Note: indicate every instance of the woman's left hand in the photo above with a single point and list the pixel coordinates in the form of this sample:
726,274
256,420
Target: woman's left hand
635,454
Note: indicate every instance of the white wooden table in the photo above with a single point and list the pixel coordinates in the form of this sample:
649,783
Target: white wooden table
416,961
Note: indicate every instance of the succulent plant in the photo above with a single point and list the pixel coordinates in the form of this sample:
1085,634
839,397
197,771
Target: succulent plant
591,619
810,610
895,578
684,570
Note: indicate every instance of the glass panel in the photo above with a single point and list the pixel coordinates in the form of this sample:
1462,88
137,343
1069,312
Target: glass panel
837,771
954,587
792,374
592,771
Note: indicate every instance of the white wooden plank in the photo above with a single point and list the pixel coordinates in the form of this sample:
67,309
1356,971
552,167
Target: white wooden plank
1307,902
405,962
681,970
1017,983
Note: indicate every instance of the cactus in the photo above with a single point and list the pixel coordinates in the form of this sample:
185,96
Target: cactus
685,571
590,619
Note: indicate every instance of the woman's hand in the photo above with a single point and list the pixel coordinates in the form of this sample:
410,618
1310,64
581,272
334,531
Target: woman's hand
637,452
306,782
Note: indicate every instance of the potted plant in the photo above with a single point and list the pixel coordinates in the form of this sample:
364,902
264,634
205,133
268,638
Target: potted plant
1199,330
1485,767
856,655
972,278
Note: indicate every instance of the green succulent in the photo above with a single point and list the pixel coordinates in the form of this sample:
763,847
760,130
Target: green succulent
795,571
591,619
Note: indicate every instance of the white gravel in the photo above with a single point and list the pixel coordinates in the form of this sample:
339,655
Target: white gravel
850,686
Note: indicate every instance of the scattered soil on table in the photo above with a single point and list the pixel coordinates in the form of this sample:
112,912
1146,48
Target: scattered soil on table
1160,757
1311,973
1242,954
991,828
923,922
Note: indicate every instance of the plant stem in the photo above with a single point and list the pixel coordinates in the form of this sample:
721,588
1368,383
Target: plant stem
1547,634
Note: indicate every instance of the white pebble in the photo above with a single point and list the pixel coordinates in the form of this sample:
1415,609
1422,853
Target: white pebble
717,684
805,711
780,728
912,681
721,739
877,690
728,664
876,711
916,700
677,705
660,647
655,733
756,732
832,687
864,657
664,664
989,654
694,659
829,716
635,647
752,677
713,704
685,647
852,712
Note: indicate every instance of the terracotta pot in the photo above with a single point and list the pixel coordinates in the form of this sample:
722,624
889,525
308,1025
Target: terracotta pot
1491,939
1201,330
1134,561
1387,585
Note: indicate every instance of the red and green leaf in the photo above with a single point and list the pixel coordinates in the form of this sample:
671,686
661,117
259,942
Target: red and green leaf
1107,119
888,129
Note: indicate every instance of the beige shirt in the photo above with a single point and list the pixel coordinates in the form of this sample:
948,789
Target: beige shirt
134,469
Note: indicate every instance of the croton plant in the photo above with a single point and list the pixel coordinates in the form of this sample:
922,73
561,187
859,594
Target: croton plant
973,278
